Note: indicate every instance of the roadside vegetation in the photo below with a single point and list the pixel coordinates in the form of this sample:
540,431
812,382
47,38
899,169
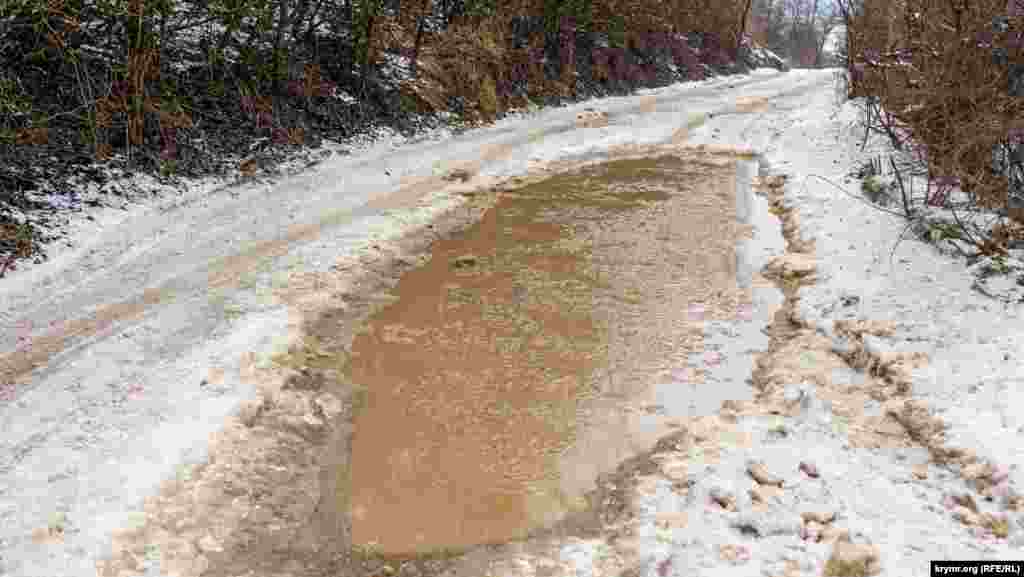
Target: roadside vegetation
94,92
943,83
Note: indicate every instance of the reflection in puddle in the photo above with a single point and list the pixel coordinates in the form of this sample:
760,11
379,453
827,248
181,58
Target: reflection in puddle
483,373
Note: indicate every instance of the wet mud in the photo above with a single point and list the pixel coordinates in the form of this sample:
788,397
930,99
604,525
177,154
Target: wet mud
488,379
515,366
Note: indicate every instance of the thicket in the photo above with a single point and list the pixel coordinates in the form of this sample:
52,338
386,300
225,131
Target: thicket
142,76
188,87
943,82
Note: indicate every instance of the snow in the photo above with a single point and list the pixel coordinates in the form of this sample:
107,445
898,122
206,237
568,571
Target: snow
835,41
344,96
972,383
67,425
396,68
928,296
60,435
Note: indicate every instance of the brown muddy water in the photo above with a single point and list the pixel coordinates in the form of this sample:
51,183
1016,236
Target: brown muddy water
517,364
493,377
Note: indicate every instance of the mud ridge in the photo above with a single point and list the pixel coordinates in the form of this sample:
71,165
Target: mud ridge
904,421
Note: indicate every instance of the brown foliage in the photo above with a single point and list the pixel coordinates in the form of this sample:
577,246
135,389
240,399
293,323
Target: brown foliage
38,136
473,60
931,64
467,62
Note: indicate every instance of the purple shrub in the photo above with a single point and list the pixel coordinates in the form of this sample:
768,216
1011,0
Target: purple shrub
567,41
685,57
119,88
326,89
168,143
617,64
264,120
248,104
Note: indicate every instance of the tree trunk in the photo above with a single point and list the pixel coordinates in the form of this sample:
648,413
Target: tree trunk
814,33
743,24
283,17
343,17
298,18
371,17
416,45
311,28
280,53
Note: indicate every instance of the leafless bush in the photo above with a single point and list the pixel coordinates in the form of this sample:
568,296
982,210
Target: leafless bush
180,86
938,85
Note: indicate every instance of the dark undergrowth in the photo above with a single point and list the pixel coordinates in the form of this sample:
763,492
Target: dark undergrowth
93,95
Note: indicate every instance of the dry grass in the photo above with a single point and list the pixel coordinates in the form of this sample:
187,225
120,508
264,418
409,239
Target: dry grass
17,240
473,59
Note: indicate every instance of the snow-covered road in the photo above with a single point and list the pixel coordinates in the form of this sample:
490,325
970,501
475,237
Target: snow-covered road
128,352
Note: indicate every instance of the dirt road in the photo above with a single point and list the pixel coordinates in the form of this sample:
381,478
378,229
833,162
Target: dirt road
503,354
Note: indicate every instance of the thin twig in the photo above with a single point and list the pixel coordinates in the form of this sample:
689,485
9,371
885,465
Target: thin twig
899,239
854,196
963,228
903,191
867,124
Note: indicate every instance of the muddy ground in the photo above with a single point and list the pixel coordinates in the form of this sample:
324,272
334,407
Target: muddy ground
389,429
865,446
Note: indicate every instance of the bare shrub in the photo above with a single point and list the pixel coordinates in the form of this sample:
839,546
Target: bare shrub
938,85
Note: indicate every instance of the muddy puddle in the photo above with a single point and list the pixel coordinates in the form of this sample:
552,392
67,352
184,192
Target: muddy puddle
495,377
520,361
